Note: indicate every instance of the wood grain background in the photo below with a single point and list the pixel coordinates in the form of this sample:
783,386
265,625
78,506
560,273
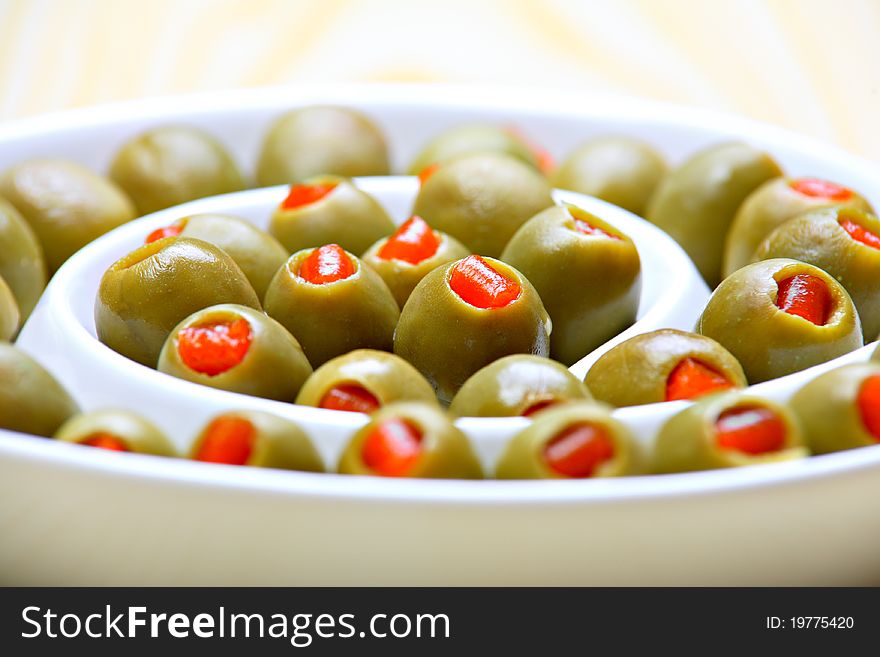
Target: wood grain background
810,65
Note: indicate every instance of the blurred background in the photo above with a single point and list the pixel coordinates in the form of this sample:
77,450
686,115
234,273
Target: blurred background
809,65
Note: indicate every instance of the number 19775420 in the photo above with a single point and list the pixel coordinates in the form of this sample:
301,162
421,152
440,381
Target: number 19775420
810,623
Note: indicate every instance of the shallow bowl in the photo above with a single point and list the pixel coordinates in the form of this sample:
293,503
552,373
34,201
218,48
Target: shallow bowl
73,515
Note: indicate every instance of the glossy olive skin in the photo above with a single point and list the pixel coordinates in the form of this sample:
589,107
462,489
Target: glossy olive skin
697,201
447,339
688,440
742,316
621,170
274,366
66,205
347,216
589,284
258,254
446,451
145,294
9,313
817,238
279,443
523,458
512,385
387,377
173,164
22,265
321,139
358,312
481,200
138,434
401,277
769,206
31,400
636,371
828,411
469,139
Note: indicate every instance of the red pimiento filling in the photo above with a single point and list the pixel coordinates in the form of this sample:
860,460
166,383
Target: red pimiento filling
588,229
413,242
545,160
537,407
859,233
869,405
168,231
214,347
583,225
806,296
227,440
349,397
392,448
691,379
427,172
816,188
579,450
750,429
476,282
104,440
542,155
301,195
327,264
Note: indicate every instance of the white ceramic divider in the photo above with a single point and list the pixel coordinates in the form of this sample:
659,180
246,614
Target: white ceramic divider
61,331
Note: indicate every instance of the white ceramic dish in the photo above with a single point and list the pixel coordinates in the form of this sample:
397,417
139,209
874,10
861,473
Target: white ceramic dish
71,515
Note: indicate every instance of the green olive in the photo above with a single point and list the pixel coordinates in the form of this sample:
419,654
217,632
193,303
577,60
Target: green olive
67,205
645,369
402,276
410,439
774,203
448,338
9,313
117,430
258,254
517,385
621,170
315,140
272,364
256,439
839,409
742,315
819,238
144,295
21,259
332,318
470,139
344,215
574,441
727,430
31,400
696,202
380,377
587,272
481,200
170,165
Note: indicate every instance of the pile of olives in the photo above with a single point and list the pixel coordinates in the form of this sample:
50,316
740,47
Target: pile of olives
474,306
482,269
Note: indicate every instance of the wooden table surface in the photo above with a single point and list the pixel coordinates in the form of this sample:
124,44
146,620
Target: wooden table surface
810,65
